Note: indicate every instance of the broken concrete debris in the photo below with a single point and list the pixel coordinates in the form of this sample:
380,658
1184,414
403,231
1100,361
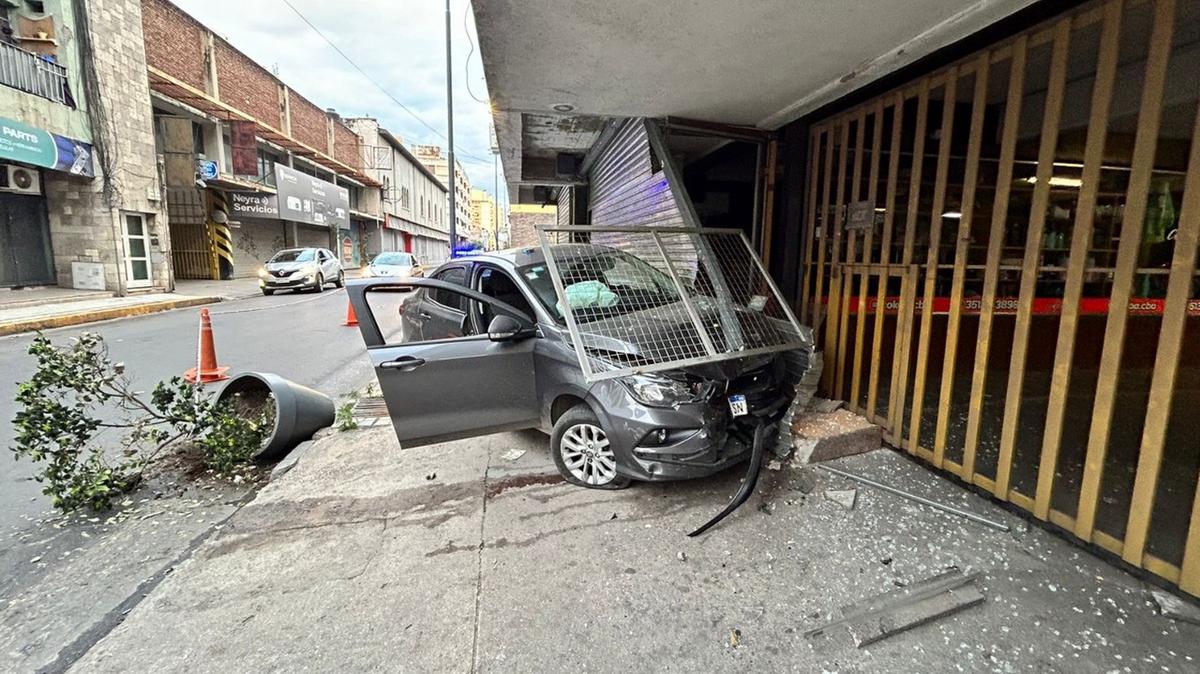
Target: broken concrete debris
843,497
891,613
825,405
822,436
1174,607
513,454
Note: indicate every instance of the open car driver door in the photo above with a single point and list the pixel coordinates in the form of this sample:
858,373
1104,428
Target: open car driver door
447,388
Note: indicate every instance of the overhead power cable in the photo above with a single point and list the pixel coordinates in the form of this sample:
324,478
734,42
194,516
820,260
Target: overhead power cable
467,63
378,86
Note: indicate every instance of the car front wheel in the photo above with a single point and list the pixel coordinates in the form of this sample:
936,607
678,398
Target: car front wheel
320,286
582,451
340,282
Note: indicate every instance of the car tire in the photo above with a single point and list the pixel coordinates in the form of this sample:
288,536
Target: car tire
320,286
268,292
582,452
340,282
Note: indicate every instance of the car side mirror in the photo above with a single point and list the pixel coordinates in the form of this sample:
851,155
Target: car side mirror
504,328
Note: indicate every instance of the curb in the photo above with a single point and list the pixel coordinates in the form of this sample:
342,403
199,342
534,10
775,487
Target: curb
65,320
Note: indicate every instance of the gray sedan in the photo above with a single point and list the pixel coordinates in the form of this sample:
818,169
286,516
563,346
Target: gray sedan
483,348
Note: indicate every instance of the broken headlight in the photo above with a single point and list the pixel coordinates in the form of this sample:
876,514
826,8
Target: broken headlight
659,391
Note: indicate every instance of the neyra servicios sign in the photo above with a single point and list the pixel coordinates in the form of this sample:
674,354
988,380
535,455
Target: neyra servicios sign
31,145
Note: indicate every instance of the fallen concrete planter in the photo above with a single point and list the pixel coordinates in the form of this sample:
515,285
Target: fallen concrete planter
299,410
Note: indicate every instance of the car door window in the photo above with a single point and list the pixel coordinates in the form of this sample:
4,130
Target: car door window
444,313
455,275
495,282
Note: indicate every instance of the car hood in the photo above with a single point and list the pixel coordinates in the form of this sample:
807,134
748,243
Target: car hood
392,269
289,266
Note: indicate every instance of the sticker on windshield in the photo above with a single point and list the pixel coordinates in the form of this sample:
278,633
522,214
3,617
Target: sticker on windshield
737,405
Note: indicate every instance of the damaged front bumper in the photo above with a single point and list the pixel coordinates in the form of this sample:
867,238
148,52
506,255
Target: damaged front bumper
689,440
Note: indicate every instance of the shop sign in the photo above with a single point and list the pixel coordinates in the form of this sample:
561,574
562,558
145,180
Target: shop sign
305,198
860,215
207,169
31,145
244,147
253,205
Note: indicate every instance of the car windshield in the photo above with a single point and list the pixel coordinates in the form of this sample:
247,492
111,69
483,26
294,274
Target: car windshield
622,282
394,259
303,255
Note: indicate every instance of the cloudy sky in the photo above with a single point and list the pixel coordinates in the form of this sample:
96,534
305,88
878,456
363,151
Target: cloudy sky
399,43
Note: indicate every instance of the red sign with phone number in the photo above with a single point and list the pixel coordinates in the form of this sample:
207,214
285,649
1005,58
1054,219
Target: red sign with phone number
1047,306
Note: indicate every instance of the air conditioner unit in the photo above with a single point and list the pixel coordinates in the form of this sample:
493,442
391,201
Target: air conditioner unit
20,179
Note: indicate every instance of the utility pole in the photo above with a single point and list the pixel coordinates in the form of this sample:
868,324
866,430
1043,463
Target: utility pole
450,128
496,195
495,143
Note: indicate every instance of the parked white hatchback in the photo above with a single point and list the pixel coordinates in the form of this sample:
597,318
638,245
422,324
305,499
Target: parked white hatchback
396,264
301,269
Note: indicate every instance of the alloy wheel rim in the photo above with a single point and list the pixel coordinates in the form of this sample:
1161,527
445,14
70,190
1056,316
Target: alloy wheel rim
586,453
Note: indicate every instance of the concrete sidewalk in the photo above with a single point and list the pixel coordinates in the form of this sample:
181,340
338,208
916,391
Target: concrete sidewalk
471,556
77,309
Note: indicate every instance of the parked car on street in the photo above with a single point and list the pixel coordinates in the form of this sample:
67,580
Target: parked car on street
484,347
301,269
399,264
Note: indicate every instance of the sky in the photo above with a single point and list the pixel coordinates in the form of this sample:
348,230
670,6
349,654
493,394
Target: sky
399,43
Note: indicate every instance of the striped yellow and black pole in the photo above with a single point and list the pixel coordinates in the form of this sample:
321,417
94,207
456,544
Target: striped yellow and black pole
219,234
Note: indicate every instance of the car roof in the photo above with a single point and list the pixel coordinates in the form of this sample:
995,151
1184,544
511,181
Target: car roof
519,257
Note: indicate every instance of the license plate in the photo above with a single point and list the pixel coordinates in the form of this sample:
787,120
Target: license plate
737,405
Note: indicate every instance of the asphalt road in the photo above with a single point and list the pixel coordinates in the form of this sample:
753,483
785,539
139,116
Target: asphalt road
297,336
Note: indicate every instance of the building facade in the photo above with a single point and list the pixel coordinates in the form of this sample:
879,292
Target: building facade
437,161
80,204
414,201
992,226
486,220
250,165
524,219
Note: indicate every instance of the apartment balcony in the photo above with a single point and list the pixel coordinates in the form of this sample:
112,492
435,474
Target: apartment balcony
28,72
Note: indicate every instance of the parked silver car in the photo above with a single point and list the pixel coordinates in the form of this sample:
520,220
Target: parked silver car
301,269
482,347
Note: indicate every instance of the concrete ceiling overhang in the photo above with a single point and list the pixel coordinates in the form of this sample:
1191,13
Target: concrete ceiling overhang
762,63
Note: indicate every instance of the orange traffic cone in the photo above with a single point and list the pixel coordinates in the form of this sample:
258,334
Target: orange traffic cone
206,356
351,319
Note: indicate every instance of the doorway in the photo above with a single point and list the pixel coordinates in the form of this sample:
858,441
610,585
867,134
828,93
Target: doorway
137,251
25,258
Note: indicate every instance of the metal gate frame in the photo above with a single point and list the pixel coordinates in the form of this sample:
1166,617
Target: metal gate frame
829,269
548,236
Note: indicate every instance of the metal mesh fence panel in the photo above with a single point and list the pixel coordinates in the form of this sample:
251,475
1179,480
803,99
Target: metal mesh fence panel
644,299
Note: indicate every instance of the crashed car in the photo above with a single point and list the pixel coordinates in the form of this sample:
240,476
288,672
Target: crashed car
484,345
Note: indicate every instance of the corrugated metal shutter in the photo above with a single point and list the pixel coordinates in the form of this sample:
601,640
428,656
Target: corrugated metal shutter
564,206
624,190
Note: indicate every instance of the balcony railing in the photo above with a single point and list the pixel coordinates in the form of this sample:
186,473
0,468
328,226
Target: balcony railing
33,74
